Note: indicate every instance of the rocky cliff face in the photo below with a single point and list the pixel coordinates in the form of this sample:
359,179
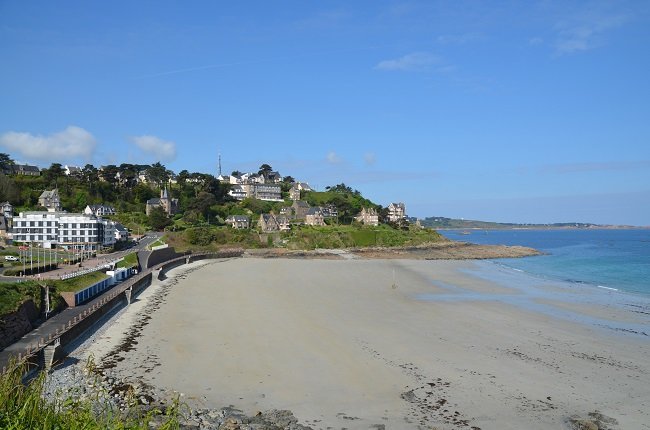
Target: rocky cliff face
15,325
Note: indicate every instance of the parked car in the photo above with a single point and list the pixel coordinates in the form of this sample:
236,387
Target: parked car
11,258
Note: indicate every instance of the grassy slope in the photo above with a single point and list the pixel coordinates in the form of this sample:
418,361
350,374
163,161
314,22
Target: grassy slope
349,236
12,294
22,407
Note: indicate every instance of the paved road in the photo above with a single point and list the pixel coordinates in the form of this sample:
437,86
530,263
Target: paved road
55,323
101,259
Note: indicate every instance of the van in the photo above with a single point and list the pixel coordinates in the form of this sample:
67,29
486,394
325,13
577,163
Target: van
11,258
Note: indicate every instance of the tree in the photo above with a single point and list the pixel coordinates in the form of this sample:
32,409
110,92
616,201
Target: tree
158,219
128,175
183,176
52,174
265,169
202,203
6,163
8,190
158,174
109,174
89,174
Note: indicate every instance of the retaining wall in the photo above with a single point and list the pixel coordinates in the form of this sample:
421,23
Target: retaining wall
16,324
99,307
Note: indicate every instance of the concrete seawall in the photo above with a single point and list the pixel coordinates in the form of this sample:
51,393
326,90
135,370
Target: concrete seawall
63,329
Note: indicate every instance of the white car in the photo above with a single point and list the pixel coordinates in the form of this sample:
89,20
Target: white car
11,258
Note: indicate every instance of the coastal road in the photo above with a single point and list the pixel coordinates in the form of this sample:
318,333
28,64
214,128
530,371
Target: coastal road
147,239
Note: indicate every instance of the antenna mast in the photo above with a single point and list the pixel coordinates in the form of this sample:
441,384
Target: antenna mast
219,163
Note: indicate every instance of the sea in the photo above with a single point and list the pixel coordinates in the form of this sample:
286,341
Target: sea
608,270
614,259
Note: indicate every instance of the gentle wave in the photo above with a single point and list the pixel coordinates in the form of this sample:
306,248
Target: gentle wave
607,288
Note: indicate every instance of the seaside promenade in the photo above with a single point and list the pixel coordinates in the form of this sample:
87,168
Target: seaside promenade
67,325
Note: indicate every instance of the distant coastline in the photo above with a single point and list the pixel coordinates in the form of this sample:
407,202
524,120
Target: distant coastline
442,223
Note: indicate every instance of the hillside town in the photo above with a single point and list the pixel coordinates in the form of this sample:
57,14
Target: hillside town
51,225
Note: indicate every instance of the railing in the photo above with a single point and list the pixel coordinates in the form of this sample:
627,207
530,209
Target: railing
90,269
34,347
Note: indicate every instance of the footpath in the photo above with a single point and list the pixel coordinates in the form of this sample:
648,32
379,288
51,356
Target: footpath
66,326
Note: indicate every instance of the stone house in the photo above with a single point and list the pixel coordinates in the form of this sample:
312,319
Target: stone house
50,200
368,216
26,169
315,217
7,209
169,205
269,223
396,212
72,170
300,209
238,221
330,211
99,210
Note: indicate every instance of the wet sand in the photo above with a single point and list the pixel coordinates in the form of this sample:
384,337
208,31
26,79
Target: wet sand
346,344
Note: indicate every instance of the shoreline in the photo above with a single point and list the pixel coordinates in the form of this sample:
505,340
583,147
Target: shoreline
347,317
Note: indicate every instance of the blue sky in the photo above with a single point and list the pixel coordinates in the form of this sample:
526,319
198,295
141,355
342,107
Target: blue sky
503,111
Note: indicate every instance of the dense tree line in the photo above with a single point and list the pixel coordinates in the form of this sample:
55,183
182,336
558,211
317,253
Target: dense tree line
127,187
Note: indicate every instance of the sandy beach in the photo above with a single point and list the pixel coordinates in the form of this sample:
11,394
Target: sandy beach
362,344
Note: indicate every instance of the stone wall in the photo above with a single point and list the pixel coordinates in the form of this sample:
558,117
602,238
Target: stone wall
149,259
15,325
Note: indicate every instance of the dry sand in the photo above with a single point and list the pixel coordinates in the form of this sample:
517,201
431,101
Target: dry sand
346,344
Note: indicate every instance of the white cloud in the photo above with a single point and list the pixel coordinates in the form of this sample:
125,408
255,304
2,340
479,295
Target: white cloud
162,150
584,31
333,158
535,41
64,146
414,62
457,39
369,158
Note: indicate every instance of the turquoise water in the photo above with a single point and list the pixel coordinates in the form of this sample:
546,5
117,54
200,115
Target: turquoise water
609,259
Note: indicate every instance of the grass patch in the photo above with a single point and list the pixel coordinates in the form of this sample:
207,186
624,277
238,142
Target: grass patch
79,282
212,238
12,294
160,241
306,237
130,260
23,407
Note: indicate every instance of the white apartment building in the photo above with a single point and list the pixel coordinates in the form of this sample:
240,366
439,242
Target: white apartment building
62,229
266,192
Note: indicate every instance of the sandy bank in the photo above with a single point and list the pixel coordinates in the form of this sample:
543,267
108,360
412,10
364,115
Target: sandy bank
345,344
444,250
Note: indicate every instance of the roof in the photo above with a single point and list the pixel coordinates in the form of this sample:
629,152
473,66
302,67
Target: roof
26,167
47,194
154,201
301,203
238,218
119,227
314,211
